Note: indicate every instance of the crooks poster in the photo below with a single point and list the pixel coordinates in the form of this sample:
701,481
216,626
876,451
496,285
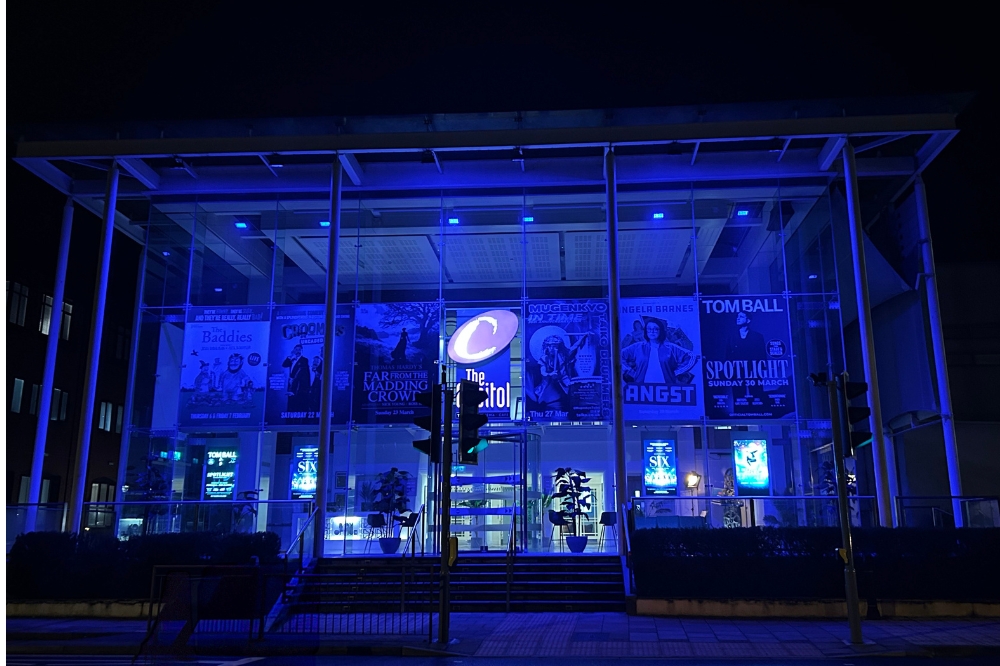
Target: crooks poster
660,348
568,361
747,357
223,375
396,353
295,365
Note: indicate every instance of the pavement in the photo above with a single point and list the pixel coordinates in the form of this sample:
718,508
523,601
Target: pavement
607,635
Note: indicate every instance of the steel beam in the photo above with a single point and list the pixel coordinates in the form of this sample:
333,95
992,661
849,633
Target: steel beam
351,167
141,171
831,151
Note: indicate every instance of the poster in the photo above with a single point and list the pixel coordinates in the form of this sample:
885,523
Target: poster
396,353
304,472
659,467
750,461
665,329
223,375
746,358
492,371
220,473
568,361
295,365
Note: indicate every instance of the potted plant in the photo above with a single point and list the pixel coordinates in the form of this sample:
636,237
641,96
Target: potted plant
390,500
573,497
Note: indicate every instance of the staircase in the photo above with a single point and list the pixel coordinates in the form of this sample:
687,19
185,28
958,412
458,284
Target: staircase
539,583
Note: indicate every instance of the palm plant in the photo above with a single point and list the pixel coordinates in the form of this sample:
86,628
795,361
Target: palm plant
573,496
389,495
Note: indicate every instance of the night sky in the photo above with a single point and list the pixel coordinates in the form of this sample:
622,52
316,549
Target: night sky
178,60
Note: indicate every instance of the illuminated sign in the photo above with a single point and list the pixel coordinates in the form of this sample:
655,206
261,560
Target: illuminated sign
304,472
482,337
660,467
220,473
750,461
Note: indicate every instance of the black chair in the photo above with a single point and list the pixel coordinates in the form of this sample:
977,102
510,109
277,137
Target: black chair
608,519
557,520
376,525
409,521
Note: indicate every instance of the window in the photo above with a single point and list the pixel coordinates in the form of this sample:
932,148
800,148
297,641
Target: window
46,320
54,411
15,396
24,490
104,423
66,318
34,399
64,406
118,421
17,294
101,515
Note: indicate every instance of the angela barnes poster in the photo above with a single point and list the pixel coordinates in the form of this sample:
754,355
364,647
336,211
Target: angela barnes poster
396,349
295,365
660,352
223,374
747,358
568,361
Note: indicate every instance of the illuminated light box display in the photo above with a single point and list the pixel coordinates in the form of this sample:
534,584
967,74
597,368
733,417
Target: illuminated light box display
304,472
660,467
750,461
481,348
220,473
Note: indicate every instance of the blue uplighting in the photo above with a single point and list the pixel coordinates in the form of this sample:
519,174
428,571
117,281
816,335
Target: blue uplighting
241,225
324,223
452,220
529,219
742,213
657,216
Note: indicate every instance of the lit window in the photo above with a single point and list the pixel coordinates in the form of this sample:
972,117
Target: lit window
67,317
56,398
46,321
107,411
101,515
100,421
17,294
15,396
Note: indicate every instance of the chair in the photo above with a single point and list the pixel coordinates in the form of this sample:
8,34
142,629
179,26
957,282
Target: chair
557,520
409,521
376,525
608,519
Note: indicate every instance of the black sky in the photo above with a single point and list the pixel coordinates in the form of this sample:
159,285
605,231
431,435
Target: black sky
139,60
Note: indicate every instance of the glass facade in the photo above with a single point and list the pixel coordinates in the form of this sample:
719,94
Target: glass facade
729,299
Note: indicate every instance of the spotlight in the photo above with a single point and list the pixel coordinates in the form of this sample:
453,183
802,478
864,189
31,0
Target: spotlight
692,480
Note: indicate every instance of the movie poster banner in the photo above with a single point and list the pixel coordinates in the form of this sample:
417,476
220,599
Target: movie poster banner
660,351
396,349
295,365
568,361
746,357
223,374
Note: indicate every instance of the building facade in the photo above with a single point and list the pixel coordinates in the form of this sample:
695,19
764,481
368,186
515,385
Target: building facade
669,366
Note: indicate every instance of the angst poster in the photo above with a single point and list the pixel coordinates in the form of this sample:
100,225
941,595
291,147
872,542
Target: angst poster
396,353
660,347
295,365
223,374
568,364
746,358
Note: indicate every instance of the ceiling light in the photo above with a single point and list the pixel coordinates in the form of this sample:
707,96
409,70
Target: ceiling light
241,225
743,212
657,216
324,223
529,219
218,290
166,254
452,220
813,276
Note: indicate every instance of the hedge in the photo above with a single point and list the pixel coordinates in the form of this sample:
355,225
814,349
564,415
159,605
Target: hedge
60,566
803,563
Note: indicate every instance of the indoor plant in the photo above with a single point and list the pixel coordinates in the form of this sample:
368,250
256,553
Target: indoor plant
391,500
573,497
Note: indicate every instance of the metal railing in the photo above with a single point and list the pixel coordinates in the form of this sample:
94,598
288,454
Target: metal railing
981,511
411,543
511,554
701,511
302,543
628,521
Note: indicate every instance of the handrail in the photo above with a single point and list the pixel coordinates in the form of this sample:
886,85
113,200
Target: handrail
216,502
511,554
627,528
409,537
299,538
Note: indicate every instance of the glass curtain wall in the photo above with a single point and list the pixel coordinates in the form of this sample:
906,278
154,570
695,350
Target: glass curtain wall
729,300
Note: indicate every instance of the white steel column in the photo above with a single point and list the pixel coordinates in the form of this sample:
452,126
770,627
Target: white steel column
883,495
49,373
940,359
329,338
621,489
79,483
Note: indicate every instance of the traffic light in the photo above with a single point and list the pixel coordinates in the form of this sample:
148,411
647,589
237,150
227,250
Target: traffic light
431,423
847,391
470,443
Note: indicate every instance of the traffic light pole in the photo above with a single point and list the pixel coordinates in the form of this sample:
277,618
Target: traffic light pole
838,408
444,611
